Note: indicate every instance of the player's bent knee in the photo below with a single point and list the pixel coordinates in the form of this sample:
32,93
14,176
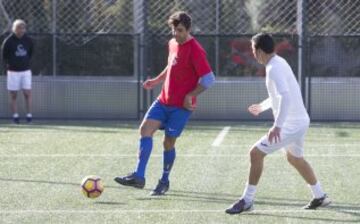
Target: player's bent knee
146,131
256,154
293,159
169,143
168,146
149,127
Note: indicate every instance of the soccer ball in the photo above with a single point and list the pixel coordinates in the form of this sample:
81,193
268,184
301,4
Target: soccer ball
92,186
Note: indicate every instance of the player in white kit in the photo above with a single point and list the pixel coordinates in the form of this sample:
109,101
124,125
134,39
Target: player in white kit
289,128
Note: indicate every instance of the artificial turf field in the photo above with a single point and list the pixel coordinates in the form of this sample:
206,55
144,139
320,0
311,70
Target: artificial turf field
42,165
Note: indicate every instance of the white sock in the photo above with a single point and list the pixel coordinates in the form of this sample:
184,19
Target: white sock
317,190
16,115
249,193
29,115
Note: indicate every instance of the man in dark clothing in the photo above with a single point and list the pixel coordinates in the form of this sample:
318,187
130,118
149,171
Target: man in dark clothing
17,50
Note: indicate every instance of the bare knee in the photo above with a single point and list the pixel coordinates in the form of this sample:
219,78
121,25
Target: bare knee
293,160
146,131
27,94
149,127
169,143
13,95
256,155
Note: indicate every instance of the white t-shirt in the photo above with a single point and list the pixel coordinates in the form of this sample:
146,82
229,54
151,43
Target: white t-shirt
281,84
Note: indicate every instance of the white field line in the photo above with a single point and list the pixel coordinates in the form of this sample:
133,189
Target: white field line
60,211
160,155
310,145
219,139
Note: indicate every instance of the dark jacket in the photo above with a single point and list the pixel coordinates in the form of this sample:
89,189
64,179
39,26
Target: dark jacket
17,52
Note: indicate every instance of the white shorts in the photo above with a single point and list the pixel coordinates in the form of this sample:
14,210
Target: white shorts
291,139
18,80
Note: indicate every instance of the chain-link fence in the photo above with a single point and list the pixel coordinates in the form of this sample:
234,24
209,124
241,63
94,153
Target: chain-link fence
333,17
128,38
227,16
328,17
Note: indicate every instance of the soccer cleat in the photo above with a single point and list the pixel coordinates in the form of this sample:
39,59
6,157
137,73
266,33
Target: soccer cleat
318,202
239,207
161,188
16,120
131,180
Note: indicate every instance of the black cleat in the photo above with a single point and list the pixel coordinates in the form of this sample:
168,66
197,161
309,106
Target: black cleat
161,188
239,207
131,180
318,202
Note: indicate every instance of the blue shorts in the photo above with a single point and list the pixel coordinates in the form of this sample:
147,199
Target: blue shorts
173,119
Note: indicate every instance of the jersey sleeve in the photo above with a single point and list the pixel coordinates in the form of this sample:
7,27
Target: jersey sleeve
5,53
282,88
265,104
279,79
199,61
5,50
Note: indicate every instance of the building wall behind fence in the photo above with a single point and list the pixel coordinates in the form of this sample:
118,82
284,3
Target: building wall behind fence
78,98
114,98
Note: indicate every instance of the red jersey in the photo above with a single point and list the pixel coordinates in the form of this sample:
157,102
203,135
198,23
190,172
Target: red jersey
186,64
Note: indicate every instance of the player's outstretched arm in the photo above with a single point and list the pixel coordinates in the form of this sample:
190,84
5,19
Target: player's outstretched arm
257,109
151,83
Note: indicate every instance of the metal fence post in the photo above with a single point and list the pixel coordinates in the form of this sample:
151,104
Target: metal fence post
301,29
140,21
217,41
54,39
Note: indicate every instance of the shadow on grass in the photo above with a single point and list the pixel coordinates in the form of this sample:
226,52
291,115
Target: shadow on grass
46,182
349,209
109,203
304,218
352,210
342,134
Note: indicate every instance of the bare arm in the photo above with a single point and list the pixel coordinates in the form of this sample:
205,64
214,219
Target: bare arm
199,89
205,82
188,101
151,83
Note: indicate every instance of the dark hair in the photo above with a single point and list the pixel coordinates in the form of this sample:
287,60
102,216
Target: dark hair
264,41
180,17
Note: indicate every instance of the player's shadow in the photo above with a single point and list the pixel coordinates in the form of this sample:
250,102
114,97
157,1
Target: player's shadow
109,203
350,209
37,181
194,196
60,183
219,198
281,203
318,218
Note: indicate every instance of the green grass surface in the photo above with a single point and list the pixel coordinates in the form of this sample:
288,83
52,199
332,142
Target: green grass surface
42,165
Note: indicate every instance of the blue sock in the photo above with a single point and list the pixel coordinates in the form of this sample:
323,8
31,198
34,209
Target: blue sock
169,158
146,144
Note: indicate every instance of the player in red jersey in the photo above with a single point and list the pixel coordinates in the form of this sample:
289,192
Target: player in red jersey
186,75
